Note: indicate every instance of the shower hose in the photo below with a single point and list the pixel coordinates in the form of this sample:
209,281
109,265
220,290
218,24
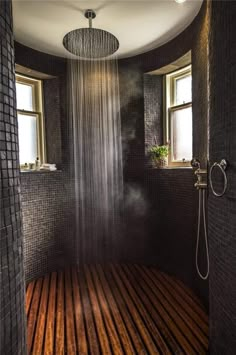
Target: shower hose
202,206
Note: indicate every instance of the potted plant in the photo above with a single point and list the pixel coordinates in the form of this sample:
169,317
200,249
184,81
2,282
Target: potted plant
159,154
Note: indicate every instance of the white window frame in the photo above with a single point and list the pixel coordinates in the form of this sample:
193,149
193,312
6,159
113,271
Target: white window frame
170,106
37,111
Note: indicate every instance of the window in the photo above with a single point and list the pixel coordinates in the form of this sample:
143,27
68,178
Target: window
178,122
30,119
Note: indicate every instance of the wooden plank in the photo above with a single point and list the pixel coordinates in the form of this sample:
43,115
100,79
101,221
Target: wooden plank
139,314
32,318
60,326
159,339
93,342
29,296
41,319
110,327
179,328
49,335
70,324
186,296
104,343
120,325
113,310
79,321
184,309
148,300
124,311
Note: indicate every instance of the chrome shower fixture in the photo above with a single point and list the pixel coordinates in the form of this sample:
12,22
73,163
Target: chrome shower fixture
201,186
200,173
201,179
90,43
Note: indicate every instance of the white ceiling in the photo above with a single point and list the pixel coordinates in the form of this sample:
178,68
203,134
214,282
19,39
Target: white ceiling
138,25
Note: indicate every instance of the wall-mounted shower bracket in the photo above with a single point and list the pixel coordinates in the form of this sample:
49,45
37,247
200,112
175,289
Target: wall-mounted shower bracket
201,174
201,186
201,178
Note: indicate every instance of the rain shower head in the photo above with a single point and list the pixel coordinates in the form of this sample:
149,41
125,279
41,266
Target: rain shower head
90,43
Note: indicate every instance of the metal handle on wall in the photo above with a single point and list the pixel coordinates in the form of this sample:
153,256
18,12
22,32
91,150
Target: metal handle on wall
222,166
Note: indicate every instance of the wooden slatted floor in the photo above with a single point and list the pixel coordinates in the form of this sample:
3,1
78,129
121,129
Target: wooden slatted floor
117,309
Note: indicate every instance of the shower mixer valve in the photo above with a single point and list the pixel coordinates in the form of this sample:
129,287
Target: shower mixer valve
200,173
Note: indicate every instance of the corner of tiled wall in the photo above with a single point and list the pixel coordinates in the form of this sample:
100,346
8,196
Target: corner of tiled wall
12,288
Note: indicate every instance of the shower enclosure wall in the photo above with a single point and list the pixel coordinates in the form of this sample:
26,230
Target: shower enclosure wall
222,210
12,284
169,244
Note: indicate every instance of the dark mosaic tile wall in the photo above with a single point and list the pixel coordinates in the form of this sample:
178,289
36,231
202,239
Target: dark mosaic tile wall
132,125
200,89
52,114
48,198
12,285
173,236
48,220
132,120
222,211
171,226
153,109
39,61
153,225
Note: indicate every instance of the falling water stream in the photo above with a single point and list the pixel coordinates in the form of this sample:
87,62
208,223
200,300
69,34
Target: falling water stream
94,110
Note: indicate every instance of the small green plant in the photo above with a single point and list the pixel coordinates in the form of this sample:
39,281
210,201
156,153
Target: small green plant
159,154
159,151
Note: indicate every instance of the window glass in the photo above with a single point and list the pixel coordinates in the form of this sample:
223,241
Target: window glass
183,89
27,126
181,124
24,97
30,119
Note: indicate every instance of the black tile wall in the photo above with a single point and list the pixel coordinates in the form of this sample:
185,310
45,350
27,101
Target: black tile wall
222,211
171,225
132,121
179,226
200,84
48,222
48,198
153,109
39,61
12,285
52,114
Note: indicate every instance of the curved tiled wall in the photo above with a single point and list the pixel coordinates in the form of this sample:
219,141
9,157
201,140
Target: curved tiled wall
12,286
222,211
47,197
167,235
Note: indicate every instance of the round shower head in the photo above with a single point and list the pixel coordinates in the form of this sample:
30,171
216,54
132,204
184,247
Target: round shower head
90,43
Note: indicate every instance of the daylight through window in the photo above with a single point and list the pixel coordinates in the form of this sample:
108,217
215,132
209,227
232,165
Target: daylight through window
179,116
30,119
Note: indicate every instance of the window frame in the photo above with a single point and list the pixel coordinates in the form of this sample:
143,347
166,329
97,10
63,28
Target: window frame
37,97
170,106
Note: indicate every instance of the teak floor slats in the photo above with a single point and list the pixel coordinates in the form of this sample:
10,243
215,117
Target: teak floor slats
114,309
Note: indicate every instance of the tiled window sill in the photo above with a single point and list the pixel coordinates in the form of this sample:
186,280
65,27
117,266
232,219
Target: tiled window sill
40,171
172,168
